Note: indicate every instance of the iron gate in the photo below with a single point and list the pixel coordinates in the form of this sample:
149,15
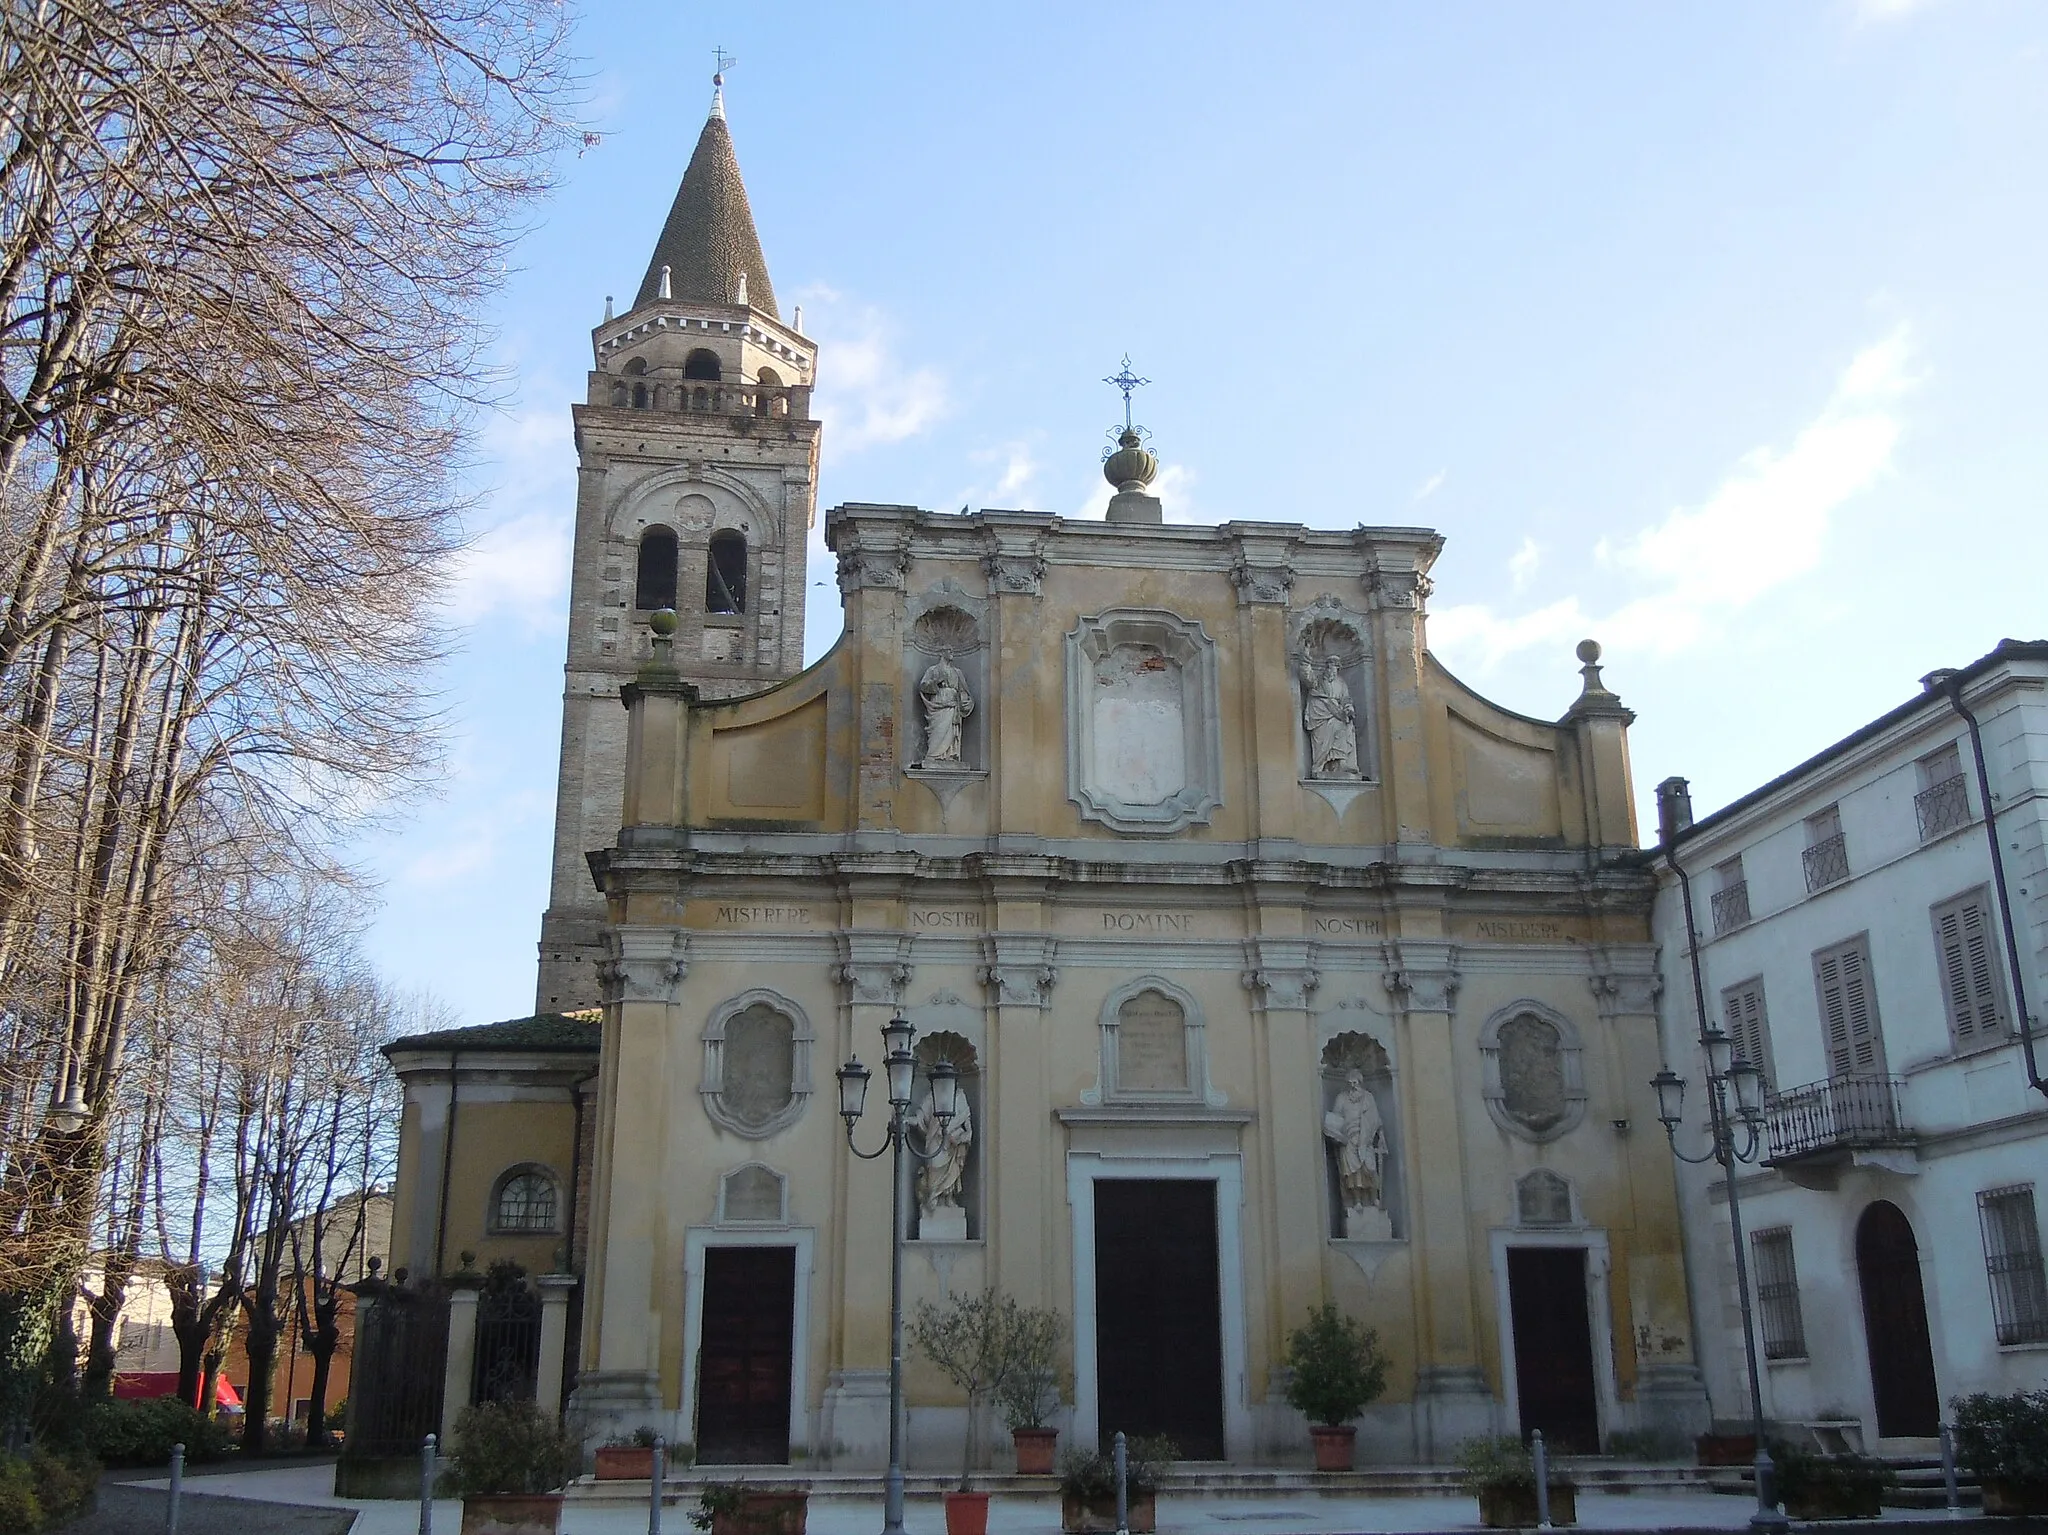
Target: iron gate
401,1357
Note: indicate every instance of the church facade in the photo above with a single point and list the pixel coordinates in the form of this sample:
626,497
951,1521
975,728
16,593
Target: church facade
1277,966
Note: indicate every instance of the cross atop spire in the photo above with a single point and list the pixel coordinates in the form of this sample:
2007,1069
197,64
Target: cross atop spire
721,61
1127,381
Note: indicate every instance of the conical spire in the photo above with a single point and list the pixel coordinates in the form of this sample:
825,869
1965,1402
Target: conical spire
709,243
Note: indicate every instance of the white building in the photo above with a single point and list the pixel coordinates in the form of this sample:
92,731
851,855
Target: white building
1853,943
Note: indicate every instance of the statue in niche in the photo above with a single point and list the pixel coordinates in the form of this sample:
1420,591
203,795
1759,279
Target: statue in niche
940,1215
947,707
1353,1125
1331,723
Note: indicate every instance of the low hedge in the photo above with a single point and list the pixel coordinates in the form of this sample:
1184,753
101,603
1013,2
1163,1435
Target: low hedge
141,1433
40,1490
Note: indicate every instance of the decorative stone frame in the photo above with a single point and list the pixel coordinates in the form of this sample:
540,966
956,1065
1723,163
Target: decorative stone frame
1186,643
497,1228
923,610
781,1216
802,1036
1575,1218
1570,1052
1314,630
1194,1040
1383,1083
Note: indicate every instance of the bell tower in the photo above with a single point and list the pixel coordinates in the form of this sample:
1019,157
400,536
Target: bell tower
697,483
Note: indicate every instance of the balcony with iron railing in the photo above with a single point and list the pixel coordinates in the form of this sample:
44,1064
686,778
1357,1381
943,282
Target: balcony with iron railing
1942,807
1834,1118
1827,863
1731,906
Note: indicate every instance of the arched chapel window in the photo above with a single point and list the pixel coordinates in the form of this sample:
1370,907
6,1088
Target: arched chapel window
654,585
725,574
525,1201
639,397
620,394
766,401
702,363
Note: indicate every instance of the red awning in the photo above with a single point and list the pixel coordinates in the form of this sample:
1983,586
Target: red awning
145,1385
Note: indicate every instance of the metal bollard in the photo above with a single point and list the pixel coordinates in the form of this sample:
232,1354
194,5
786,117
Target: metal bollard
1123,1501
1542,1477
1948,1471
660,1470
177,1486
427,1487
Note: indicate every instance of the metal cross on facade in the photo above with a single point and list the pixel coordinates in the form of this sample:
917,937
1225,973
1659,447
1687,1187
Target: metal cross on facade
1127,381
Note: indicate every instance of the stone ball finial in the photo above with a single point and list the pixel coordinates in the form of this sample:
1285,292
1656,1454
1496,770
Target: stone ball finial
663,622
1131,467
1589,651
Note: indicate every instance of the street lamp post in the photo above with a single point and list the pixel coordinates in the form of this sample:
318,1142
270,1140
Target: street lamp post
900,1067
1735,1122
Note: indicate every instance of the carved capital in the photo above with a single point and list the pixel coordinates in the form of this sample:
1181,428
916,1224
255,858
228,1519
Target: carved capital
1018,968
1624,984
873,968
1280,974
644,964
1015,572
1262,584
1423,979
1393,588
863,566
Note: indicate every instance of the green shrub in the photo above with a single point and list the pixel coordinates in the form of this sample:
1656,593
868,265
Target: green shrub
1502,1463
2003,1438
64,1484
1336,1365
142,1433
511,1447
1091,1476
1801,1473
20,1509
1649,1444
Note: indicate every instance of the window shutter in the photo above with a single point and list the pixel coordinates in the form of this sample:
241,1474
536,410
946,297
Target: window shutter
1848,1010
1970,978
1744,1007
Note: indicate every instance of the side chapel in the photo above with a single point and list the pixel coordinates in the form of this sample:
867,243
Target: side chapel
1277,965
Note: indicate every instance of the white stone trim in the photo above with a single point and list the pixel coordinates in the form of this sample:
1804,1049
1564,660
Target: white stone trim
753,1223
1189,645
712,1088
1226,1171
1571,1062
1194,1040
696,1239
1599,1312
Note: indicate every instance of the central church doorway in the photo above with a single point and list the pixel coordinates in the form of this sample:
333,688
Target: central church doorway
1158,1313
744,1360
1554,1388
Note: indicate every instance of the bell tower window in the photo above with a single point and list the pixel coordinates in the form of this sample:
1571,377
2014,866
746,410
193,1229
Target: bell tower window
725,574
702,363
654,585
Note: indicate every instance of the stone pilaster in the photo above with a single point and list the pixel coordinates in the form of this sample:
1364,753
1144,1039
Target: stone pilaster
1397,585
555,1290
1023,1180
1015,565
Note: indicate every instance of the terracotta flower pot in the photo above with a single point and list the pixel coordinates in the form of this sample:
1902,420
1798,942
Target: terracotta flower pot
1034,1450
1336,1448
966,1513
1097,1516
625,1463
512,1513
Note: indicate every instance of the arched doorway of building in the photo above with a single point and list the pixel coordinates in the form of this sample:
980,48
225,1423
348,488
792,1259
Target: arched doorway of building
1895,1325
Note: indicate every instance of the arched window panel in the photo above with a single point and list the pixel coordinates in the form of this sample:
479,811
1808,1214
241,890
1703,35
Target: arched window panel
702,363
654,584
725,574
525,1200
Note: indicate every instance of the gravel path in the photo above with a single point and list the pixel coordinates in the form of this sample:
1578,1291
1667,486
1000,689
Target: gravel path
140,1511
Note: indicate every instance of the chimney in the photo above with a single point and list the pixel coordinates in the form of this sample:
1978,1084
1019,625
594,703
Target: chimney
1674,809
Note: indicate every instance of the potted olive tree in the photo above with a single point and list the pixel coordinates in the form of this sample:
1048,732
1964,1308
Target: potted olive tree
509,1460
1336,1368
1501,1473
1026,1400
982,1343
1088,1487
2004,1440
627,1458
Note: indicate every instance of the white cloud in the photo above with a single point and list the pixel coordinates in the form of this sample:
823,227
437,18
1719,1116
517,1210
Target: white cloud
1765,525
867,395
1430,486
1868,11
517,562
1522,568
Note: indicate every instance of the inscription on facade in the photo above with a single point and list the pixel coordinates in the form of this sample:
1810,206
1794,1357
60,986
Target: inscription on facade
1513,930
1148,921
1346,927
723,915
942,920
1152,1051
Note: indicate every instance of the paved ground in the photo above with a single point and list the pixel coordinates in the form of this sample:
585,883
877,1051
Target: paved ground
310,1487
128,1510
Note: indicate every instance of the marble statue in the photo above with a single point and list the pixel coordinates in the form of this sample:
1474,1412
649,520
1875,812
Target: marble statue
947,706
1331,723
1354,1126
940,1216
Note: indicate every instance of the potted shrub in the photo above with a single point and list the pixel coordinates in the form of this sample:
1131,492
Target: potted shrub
1811,1485
1501,1473
1088,1487
1336,1368
627,1457
508,1461
983,1343
2004,1440
1026,1400
734,1508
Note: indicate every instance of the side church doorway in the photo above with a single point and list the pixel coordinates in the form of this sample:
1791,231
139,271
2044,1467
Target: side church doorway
1158,1313
1553,1329
744,1360
1895,1325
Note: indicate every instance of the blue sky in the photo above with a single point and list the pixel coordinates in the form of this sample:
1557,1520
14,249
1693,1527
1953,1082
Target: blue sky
1712,332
